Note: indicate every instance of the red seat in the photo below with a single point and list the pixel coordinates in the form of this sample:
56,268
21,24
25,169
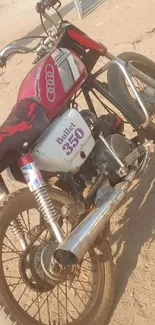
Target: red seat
25,123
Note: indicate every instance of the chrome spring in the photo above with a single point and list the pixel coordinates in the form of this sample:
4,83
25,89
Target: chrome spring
48,211
17,230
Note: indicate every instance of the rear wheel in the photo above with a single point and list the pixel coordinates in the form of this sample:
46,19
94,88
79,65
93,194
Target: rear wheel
123,93
28,299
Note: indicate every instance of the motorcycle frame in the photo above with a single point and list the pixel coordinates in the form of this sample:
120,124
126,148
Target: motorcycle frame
92,84
73,34
127,69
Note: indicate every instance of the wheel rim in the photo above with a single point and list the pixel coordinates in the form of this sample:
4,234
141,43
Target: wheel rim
67,302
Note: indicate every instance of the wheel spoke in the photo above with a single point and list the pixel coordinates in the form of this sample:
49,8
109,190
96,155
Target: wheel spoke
88,261
81,281
70,302
85,290
33,302
12,277
67,230
79,289
62,306
141,86
38,307
22,294
48,305
58,302
28,216
15,249
86,268
10,250
10,259
45,238
16,285
66,301
25,225
48,295
78,295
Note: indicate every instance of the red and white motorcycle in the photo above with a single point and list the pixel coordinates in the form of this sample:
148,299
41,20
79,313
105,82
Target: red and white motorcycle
55,260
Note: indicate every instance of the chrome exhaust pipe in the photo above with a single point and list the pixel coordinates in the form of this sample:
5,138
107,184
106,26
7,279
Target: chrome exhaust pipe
75,246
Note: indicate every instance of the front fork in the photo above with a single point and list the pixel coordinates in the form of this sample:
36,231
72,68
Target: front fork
37,186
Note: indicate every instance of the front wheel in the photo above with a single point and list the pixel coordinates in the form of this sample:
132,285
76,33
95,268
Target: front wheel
121,91
26,295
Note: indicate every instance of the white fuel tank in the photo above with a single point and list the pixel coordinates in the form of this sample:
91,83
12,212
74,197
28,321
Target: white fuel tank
65,145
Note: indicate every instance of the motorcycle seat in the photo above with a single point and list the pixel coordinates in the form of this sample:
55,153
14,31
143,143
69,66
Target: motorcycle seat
25,123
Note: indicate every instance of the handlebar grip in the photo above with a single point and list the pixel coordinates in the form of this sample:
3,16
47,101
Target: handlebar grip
52,2
42,5
40,8
2,62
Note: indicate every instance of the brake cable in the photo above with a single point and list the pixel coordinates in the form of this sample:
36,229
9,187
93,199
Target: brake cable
43,25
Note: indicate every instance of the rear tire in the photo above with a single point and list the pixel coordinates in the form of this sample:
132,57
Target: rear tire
120,92
22,201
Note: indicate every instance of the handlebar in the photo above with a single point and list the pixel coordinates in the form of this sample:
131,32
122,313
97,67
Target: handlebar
10,49
16,48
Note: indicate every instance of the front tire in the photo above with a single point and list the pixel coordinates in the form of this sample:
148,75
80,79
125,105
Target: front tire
119,90
13,206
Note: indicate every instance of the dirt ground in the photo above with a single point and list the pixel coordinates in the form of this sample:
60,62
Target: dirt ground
123,25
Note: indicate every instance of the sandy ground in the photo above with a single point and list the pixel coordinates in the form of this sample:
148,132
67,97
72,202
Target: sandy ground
123,25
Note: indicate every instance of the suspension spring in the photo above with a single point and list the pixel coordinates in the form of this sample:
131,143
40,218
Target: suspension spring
18,232
37,186
48,211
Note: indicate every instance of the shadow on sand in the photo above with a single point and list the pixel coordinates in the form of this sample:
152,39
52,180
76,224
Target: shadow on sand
135,228
39,29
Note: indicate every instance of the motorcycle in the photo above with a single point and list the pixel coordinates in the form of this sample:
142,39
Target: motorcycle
56,265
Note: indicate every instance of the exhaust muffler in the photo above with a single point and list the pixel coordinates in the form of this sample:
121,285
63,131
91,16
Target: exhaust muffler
75,246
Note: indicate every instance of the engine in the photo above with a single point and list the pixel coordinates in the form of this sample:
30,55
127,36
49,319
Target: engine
78,142
107,128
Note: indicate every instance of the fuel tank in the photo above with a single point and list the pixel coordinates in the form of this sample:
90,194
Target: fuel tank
54,80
